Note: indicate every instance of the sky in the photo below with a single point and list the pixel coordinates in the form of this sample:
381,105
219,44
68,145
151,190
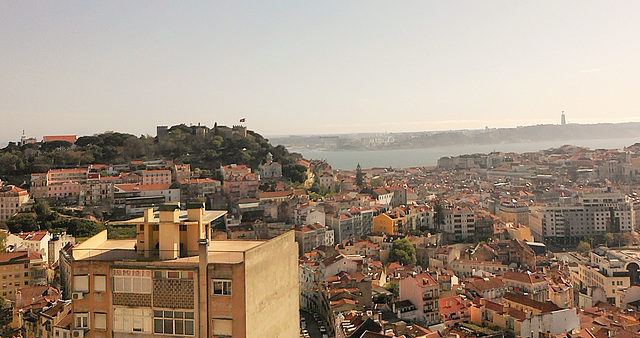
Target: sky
314,67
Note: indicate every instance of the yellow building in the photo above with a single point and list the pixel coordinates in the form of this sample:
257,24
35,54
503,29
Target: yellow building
21,268
389,223
173,279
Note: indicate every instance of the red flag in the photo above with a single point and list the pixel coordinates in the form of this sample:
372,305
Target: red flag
242,119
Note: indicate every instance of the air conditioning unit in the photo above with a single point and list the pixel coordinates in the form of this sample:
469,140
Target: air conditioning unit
77,334
77,295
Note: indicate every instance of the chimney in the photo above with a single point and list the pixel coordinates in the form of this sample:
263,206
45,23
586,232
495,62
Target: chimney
195,211
148,214
169,212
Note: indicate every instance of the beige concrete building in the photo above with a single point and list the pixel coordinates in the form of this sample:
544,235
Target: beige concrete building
513,212
173,279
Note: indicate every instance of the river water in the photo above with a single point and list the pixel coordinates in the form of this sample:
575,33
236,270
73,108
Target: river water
404,158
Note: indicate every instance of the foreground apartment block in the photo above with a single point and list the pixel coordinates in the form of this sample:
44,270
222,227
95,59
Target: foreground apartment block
173,280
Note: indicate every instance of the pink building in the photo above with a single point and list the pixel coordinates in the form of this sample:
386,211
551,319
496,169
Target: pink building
156,177
12,201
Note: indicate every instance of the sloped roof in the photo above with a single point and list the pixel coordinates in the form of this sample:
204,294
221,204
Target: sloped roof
544,307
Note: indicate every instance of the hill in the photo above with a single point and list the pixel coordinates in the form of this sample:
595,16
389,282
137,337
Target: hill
428,139
205,152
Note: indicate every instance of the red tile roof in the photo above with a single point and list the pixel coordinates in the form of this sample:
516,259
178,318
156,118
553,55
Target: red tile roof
33,235
544,307
18,256
68,138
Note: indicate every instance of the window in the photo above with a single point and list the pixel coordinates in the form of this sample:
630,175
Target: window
141,227
81,320
222,327
100,320
176,274
173,322
132,281
221,287
81,283
99,283
132,320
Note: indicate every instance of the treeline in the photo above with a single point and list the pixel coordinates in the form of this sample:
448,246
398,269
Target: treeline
182,145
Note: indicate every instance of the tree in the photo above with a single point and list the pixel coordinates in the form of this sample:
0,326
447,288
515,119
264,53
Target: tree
78,227
438,214
22,222
359,177
295,172
403,251
394,288
608,239
627,239
376,182
584,247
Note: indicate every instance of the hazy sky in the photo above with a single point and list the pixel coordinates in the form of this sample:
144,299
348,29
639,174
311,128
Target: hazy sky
296,67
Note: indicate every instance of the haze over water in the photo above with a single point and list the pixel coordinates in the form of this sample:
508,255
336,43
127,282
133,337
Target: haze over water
403,158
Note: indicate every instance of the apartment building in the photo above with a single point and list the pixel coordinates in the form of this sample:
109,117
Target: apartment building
312,236
592,215
197,188
524,316
21,268
351,223
534,285
424,293
392,222
459,222
12,201
468,267
173,279
609,271
513,212
156,176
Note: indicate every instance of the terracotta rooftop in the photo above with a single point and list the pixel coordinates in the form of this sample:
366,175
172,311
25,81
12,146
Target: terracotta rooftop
68,138
522,277
18,256
544,307
33,235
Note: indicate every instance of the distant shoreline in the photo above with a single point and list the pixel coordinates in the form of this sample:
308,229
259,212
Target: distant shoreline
476,137
420,157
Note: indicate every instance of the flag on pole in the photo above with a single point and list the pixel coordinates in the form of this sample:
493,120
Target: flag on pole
242,119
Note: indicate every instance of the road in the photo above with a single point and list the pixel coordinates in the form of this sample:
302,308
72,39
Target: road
312,325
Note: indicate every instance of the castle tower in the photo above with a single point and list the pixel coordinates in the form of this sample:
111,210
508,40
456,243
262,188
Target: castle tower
563,120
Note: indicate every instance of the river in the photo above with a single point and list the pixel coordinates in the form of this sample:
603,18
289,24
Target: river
404,158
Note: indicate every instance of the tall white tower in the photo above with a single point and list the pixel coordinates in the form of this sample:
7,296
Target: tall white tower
563,120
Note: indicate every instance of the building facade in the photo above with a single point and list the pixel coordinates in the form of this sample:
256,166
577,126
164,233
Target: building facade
174,280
